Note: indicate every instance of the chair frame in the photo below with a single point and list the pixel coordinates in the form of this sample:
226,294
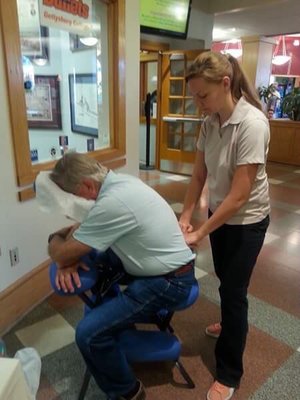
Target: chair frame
163,325
99,290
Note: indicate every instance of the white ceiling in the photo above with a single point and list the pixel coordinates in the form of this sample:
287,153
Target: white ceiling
252,17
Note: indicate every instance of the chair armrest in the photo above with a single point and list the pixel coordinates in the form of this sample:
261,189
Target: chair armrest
88,278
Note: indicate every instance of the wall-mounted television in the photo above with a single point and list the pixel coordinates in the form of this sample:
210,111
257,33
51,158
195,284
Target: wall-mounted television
165,17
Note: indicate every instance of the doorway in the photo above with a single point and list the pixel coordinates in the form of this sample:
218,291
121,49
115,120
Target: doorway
149,53
179,120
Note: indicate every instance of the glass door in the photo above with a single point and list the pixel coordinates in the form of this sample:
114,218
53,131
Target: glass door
179,119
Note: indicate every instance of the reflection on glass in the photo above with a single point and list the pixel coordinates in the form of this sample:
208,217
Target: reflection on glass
30,28
189,143
191,128
58,48
28,73
190,107
174,135
187,90
151,77
175,106
176,87
174,141
177,68
174,127
190,135
188,64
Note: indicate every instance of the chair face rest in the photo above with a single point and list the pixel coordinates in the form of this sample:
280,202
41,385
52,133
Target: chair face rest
52,199
88,278
147,346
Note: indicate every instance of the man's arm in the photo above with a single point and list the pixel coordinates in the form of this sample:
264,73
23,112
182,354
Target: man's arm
64,233
66,251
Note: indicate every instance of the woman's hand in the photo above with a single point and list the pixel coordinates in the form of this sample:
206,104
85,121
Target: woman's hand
68,276
185,226
193,239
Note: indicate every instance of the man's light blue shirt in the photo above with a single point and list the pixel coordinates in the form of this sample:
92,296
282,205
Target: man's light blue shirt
137,224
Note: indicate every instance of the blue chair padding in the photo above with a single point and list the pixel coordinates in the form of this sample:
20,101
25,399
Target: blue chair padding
143,346
88,278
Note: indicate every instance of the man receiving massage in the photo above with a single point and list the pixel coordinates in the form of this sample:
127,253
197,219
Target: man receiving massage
132,220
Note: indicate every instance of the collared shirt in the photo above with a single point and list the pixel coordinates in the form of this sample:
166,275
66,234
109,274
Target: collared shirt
137,224
242,139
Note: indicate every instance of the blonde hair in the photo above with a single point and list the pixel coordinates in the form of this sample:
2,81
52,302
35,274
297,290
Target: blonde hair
73,167
212,67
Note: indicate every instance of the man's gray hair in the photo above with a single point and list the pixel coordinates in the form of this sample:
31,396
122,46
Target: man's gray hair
73,167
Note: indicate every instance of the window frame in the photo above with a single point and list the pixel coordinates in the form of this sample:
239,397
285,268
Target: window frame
114,156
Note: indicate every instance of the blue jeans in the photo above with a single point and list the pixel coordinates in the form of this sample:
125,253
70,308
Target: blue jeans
96,333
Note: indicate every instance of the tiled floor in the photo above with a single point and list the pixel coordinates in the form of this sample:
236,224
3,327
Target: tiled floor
272,357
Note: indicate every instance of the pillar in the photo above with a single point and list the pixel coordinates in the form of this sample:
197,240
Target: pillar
257,59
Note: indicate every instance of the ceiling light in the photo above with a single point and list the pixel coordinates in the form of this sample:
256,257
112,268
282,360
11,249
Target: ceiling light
89,40
40,61
280,59
233,47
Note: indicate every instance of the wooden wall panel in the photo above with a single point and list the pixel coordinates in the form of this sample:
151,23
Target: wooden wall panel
22,296
285,142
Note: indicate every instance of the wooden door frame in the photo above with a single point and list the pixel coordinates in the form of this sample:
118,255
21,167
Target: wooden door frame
159,131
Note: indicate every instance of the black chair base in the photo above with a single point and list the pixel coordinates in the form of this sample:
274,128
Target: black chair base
87,377
163,324
85,384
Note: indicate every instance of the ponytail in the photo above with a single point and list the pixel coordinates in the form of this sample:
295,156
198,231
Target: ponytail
240,85
213,67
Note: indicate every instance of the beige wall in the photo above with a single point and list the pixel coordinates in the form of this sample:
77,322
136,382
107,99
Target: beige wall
23,225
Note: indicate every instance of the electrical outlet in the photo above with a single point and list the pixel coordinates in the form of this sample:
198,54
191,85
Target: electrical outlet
14,256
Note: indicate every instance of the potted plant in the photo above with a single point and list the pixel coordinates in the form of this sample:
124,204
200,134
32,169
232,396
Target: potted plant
265,92
291,104
270,99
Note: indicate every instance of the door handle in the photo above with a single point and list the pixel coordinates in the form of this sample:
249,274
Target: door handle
181,119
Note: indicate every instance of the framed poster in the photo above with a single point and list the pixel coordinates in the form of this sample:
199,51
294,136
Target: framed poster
43,103
84,104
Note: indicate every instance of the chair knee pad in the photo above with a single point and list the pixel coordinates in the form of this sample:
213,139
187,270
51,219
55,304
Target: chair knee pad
142,346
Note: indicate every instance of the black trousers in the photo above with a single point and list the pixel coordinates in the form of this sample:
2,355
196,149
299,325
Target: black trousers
235,249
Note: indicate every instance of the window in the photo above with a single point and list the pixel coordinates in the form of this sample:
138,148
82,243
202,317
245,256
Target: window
66,79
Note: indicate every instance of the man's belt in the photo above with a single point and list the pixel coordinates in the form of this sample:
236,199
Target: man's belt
181,270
